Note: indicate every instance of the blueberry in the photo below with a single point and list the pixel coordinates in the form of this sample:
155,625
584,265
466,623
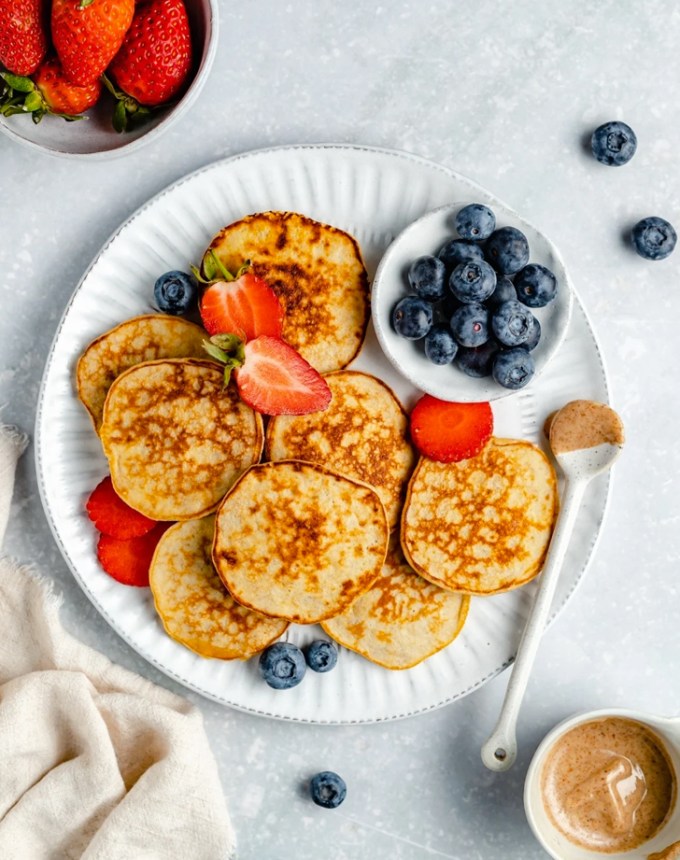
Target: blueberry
513,368
328,789
512,323
507,250
457,251
282,665
427,277
475,222
505,292
614,143
654,238
321,655
477,361
412,317
472,282
536,286
440,345
470,325
534,336
175,293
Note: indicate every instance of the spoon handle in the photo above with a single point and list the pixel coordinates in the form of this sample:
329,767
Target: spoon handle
500,750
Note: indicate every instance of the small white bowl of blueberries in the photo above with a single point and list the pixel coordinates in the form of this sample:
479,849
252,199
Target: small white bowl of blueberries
470,302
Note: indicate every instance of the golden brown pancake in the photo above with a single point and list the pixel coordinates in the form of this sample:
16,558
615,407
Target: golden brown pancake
362,434
401,619
145,338
318,274
176,439
482,525
193,604
297,541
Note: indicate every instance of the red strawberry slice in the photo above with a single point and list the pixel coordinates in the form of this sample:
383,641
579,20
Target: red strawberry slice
448,432
247,305
276,380
128,561
112,516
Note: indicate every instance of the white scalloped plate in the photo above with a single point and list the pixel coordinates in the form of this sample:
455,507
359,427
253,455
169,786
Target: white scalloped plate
373,194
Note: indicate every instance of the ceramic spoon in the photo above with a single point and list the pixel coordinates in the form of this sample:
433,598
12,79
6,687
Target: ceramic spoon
586,438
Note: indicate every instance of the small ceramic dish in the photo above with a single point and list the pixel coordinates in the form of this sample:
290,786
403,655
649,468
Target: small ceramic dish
427,235
94,137
667,730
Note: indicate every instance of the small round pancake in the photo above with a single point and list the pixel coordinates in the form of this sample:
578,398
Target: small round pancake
362,434
297,541
176,439
401,619
193,604
318,274
145,338
482,525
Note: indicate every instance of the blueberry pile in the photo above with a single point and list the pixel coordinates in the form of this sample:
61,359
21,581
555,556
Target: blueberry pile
283,665
471,303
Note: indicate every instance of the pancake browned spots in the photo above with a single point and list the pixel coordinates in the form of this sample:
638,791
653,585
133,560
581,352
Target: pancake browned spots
362,434
401,619
193,604
145,338
481,525
297,541
318,274
176,439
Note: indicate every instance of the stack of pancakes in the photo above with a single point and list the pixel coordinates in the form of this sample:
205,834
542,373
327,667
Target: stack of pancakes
324,517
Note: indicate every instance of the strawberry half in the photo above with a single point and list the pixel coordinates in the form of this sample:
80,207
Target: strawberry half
128,561
448,432
114,517
246,305
276,380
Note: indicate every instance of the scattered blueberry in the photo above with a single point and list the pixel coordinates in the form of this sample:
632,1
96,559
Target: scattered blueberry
427,277
536,286
512,323
513,368
457,251
470,324
654,238
328,789
475,222
440,344
534,336
321,655
477,361
507,250
505,292
473,281
282,665
412,317
614,143
175,293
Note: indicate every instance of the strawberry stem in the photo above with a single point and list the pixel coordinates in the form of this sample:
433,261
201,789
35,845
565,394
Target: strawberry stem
229,350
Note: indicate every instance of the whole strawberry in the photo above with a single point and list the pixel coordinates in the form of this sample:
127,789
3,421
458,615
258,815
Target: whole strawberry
49,91
23,37
155,59
87,35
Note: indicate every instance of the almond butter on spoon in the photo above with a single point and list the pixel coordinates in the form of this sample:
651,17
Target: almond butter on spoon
586,438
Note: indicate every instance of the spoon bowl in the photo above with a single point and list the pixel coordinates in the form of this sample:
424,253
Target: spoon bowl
586,438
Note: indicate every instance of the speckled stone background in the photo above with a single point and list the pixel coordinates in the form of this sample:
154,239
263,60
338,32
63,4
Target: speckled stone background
507,94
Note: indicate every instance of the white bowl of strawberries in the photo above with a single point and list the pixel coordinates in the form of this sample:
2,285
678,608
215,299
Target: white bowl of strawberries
101,77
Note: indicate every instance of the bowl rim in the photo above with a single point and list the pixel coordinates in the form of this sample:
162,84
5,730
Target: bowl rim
183,105
380,325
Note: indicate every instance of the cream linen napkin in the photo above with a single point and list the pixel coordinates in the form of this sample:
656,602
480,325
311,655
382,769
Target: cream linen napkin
95,762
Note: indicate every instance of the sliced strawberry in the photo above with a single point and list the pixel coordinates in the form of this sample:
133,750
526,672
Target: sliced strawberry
247,305
448,432
128,561
112,516
276,380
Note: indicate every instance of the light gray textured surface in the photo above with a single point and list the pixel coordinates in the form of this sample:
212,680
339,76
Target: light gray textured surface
505,93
